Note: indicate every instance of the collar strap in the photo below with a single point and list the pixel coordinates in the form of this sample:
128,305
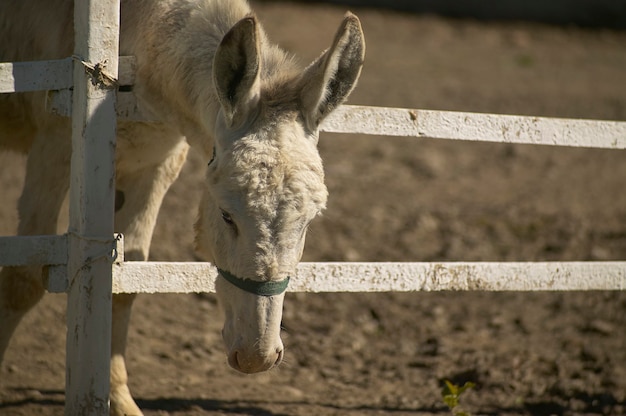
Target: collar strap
254,287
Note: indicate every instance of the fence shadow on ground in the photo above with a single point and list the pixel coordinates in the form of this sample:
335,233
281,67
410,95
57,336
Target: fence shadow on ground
32,396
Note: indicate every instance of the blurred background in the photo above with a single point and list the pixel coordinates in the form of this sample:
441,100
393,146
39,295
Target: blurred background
596,13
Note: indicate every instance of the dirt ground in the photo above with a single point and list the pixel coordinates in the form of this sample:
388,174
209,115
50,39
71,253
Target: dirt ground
397,199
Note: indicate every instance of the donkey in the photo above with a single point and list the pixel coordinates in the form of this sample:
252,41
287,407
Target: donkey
207,72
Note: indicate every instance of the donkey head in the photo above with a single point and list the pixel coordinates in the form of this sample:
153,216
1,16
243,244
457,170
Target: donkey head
266,182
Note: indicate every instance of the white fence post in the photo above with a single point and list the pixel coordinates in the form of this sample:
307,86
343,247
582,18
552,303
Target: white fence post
92,193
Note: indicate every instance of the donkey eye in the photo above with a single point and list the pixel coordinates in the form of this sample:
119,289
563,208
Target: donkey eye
227,218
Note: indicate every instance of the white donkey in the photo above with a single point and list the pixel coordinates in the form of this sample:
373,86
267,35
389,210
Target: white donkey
207,72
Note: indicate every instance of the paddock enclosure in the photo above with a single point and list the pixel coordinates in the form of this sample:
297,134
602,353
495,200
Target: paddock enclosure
414,199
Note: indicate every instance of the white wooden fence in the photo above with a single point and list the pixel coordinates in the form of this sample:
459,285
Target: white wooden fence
88,264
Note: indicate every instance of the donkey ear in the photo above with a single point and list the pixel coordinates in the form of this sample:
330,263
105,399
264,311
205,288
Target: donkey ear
328,81
236,69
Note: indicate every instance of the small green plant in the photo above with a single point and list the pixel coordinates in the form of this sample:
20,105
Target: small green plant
451,394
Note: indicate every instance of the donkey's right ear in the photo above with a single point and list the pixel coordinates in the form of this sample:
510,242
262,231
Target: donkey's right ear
236,69
328,81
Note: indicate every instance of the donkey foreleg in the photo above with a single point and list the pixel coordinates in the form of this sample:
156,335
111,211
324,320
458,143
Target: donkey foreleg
45,187
143,192
122,402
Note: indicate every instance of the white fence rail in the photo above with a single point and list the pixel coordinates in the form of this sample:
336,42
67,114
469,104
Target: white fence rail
156,277
477,127
88,243
498,128
192,277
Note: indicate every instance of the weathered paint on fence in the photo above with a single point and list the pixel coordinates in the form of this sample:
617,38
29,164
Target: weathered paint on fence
36,250
477,127
52,75
156,277
92,196
352,119
35,76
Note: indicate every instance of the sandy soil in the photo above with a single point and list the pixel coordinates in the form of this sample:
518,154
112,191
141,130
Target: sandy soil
402,200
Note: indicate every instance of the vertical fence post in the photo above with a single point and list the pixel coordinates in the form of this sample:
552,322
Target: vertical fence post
92,193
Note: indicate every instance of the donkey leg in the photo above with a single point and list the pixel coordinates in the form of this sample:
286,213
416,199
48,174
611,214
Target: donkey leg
143,192
46,184
20,289
122,402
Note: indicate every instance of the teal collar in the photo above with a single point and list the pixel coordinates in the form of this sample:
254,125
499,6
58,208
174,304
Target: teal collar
254,287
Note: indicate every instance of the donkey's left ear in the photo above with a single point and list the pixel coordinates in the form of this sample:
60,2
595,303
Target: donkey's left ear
328,81
236,68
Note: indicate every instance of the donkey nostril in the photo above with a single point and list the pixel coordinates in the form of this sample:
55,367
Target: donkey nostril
239,361
233,360
279,358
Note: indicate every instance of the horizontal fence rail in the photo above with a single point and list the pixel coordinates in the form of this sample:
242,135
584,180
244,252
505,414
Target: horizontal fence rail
52,75
382,121
157,277
450,125
47,250
36,76
196,277
39,250
477,127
